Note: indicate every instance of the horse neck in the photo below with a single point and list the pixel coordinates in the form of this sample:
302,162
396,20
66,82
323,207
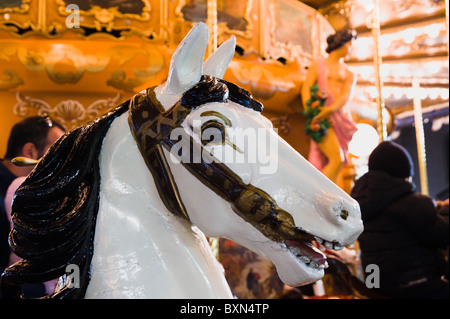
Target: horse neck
141,250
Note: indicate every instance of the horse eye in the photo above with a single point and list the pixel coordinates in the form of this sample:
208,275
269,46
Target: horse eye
213,133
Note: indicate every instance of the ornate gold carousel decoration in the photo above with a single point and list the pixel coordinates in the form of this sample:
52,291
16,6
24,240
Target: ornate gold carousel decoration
72,59
75,59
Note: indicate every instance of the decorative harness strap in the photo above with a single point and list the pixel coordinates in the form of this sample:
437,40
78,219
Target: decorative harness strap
151,126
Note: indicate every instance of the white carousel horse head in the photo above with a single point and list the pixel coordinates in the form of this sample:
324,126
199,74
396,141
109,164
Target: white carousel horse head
262,159
203,152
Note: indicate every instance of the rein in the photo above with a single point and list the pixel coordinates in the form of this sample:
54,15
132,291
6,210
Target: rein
151,127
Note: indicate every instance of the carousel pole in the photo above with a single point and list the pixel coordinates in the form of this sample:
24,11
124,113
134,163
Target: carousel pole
262,28
381,108
211,22
420,137
42,16
447,25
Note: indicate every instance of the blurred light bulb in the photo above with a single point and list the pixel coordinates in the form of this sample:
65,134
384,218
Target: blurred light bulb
433,30
364,140
409,35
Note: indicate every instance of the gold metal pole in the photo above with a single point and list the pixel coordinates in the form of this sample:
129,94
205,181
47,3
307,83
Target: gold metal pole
42,19
381,122
262,28
215,247
447,25
164,18
211,22
420,136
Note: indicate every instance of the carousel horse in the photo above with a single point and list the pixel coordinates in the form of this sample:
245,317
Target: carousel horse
129,197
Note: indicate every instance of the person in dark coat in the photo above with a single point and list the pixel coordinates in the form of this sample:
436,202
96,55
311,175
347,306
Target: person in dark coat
403,233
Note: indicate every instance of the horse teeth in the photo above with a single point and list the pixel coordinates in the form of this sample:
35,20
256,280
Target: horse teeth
316,265
305,259
329,245
295,250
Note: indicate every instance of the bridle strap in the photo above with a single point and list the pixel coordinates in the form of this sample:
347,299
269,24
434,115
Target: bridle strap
151,127
249,202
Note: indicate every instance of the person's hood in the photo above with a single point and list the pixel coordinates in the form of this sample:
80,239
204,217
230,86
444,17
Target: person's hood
376,189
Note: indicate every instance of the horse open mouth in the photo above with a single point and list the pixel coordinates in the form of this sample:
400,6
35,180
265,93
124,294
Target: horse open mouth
261,210
308,253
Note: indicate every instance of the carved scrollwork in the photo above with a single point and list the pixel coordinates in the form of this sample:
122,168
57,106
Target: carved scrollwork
69,113
17,6
9,79
106,11
282,124
110,18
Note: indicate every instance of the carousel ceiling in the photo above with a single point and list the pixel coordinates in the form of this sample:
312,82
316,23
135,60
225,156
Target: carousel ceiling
98,47
122,46
413,45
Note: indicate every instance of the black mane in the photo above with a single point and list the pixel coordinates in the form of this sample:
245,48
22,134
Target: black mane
55,209
212,89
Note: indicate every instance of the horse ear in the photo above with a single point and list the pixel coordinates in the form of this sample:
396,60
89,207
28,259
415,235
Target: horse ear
218,61
186,65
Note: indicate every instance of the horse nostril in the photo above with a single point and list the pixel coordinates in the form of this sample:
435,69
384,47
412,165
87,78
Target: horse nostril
344,214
